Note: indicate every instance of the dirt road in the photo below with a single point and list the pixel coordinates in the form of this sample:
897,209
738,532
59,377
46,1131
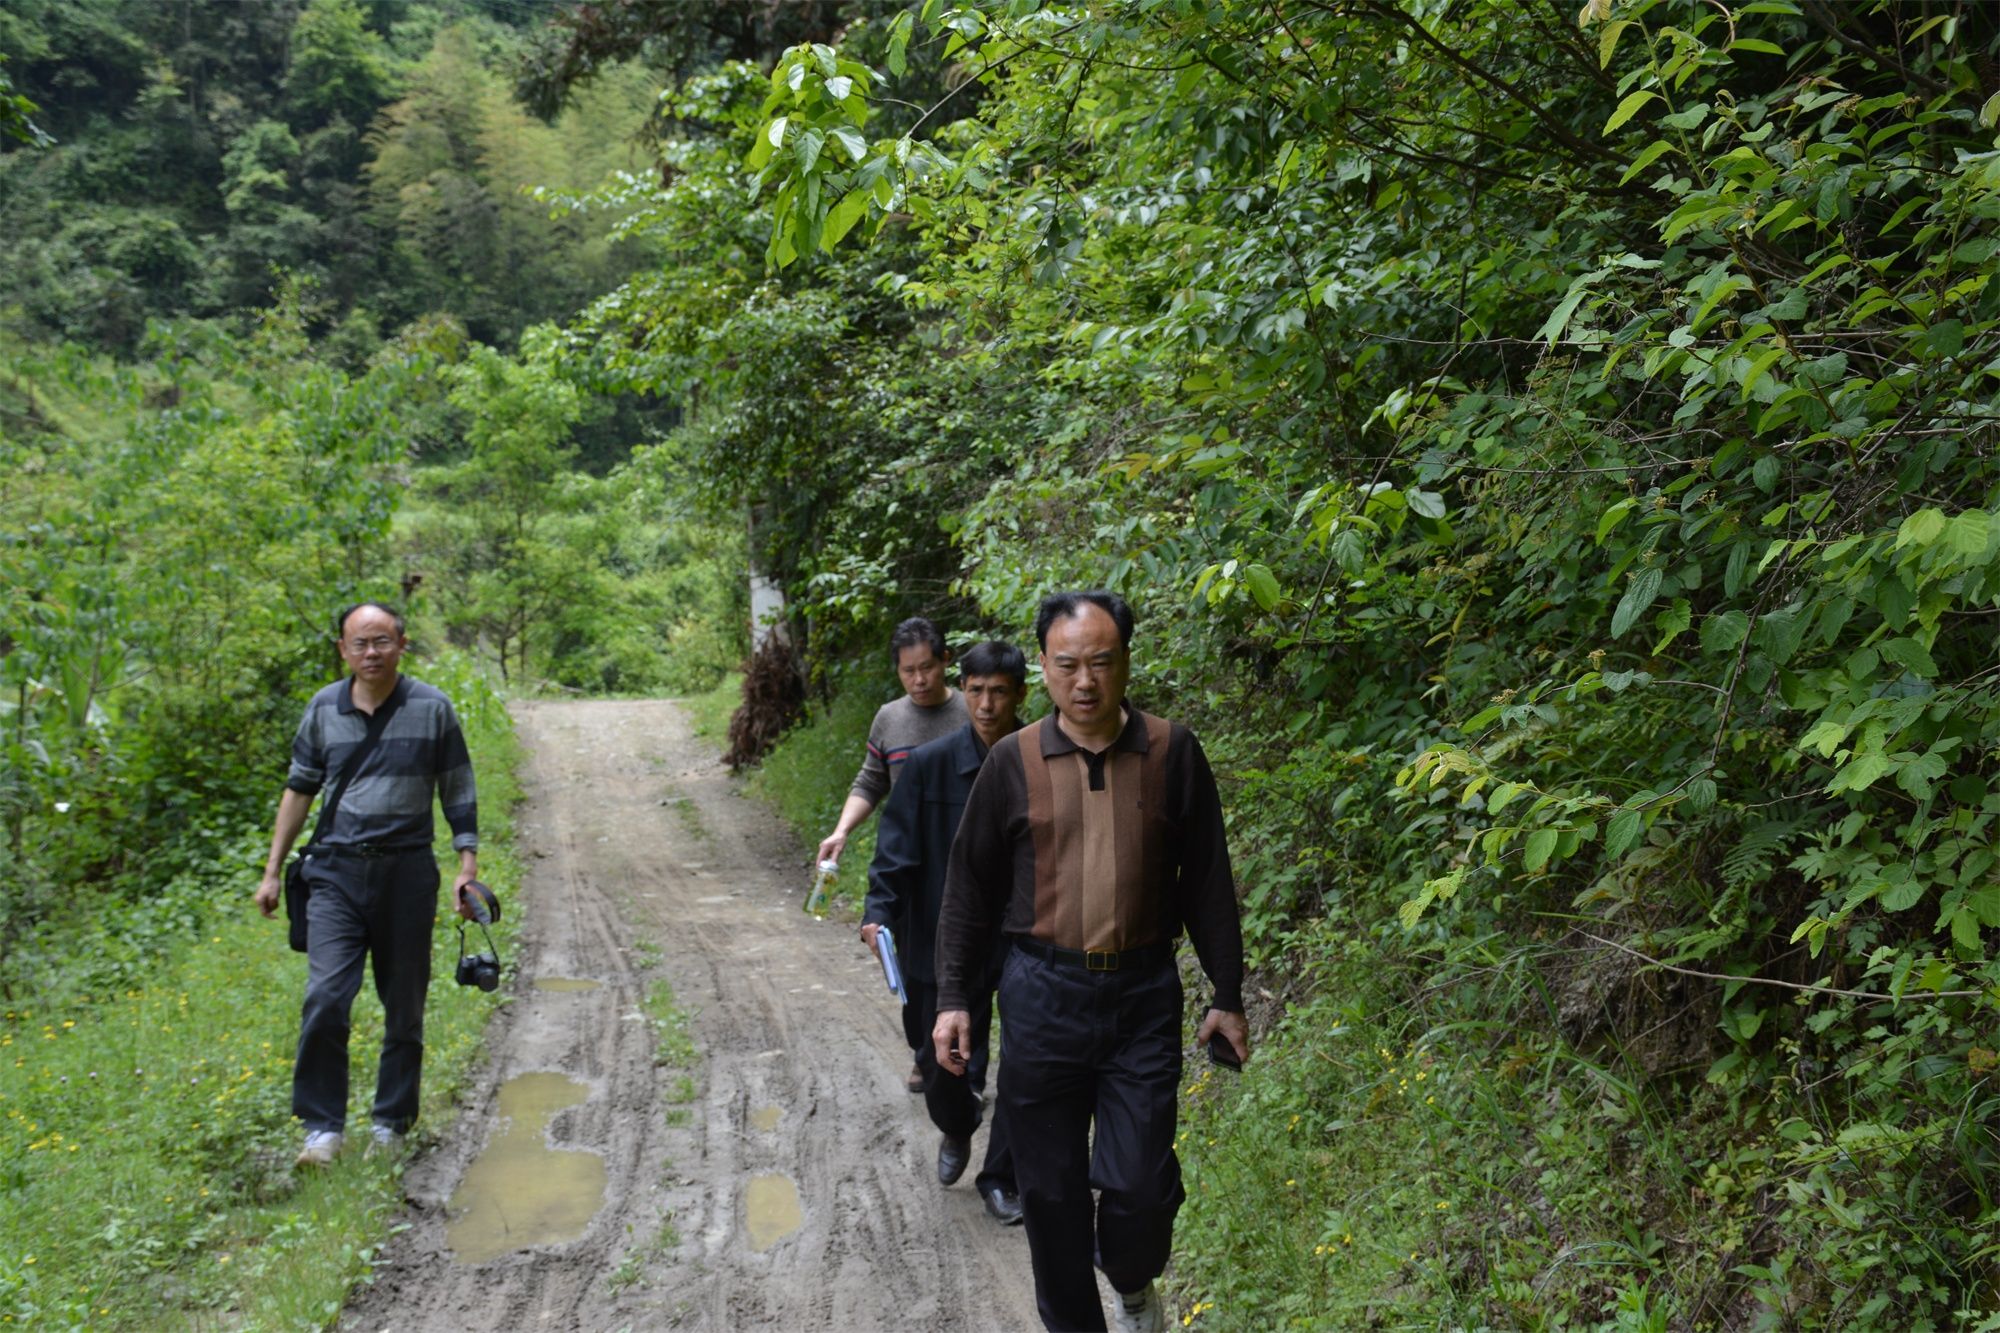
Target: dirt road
785,1181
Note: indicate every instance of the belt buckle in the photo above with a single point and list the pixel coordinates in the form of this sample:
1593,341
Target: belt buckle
1100,960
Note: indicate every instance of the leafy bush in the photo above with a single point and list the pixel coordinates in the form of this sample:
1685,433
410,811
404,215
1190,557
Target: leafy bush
149,679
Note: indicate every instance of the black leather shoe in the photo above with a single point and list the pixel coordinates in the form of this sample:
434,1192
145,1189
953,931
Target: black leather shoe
953,1154
1002,1205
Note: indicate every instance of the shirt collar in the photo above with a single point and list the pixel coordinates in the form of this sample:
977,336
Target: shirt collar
397,692
1131,737
971,750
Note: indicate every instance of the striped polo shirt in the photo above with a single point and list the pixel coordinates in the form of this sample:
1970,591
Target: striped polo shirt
1093,852
388,803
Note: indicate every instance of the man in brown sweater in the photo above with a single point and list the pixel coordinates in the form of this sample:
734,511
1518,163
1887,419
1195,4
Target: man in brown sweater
1091,839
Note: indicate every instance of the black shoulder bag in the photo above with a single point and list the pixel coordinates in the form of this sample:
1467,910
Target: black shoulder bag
296,888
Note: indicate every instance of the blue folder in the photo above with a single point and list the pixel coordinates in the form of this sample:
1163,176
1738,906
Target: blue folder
885,949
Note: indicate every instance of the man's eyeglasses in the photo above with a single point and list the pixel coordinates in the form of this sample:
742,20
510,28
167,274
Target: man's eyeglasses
381,645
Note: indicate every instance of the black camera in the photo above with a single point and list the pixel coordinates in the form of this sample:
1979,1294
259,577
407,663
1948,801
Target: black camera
479,969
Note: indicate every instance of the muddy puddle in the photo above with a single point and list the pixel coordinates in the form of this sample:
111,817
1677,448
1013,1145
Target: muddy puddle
566,985
520,1191
772,1210
765,1118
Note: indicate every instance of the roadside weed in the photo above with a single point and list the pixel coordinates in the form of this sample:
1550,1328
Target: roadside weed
709,713
807,776
674,1045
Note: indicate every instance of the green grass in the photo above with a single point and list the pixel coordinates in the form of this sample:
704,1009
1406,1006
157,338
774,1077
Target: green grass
688,816
711,711
673,1044
806,778
1333,1185
632,1268
146,1137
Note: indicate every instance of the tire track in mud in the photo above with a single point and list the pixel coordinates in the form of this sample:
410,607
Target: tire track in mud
634,832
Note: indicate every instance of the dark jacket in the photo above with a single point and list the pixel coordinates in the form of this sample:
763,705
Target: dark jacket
913,847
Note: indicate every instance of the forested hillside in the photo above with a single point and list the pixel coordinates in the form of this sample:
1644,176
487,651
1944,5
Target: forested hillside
1551,449
271,344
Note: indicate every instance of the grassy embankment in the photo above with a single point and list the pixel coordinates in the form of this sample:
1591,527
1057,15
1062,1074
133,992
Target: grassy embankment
710,712
806,778
146,1137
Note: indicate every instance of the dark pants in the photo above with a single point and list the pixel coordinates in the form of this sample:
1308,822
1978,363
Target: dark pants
1081,1046
953,1099
377,908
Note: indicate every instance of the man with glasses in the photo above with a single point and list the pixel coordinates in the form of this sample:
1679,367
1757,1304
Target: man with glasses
372,877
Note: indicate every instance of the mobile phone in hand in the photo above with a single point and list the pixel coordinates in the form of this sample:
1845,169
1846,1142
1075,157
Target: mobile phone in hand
1222,1053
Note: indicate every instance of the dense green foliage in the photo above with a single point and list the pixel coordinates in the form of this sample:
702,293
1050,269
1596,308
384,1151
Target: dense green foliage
177,534
601,583
174,539
1553,455
273,232
201,149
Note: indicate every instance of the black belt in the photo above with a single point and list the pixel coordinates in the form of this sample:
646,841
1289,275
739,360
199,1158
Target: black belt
370,849
1097,960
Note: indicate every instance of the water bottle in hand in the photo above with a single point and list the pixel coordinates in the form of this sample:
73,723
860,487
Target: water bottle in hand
822,888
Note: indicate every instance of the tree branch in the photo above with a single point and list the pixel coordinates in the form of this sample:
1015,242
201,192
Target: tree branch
1771,981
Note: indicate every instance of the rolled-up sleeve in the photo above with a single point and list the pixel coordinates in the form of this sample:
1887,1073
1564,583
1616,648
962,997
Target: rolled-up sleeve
457,793
308,769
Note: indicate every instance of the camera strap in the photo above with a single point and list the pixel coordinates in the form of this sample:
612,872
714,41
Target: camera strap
490,946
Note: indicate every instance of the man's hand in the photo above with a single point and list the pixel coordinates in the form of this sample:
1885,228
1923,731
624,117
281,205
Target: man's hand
268,892
852,813
292,807
1234,1027
468,870
953,1039
868,929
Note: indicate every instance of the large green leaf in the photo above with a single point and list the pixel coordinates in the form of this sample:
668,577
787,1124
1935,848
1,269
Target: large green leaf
1639,594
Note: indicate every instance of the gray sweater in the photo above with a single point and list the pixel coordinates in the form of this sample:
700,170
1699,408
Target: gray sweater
899,728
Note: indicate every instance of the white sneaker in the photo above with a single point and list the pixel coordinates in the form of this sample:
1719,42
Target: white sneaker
322,1146
382,1139
1139,1311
